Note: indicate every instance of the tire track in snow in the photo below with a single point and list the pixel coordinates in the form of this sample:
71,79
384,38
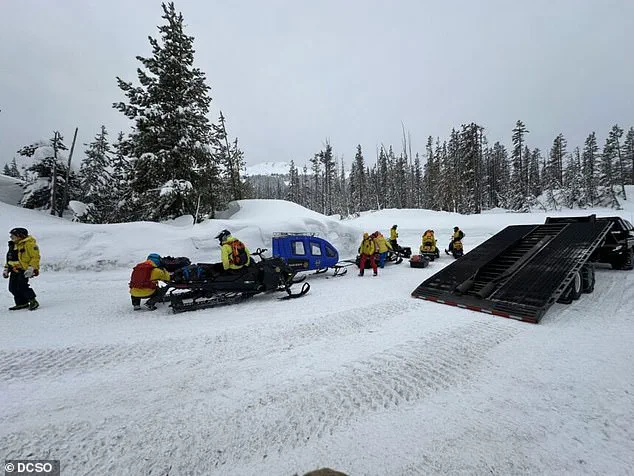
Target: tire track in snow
401,376
227,346
212,440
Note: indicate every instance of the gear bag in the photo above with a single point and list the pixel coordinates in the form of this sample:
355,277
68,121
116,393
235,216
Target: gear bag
141,276
239,255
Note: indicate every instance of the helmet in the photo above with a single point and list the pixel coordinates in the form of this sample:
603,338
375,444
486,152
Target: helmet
155,258
366,235
455,228
223,235
393,226
19,232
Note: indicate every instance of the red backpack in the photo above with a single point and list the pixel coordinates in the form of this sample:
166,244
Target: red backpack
141,276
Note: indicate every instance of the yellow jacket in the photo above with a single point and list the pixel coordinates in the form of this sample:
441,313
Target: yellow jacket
226,255
393,234
383,244
28,255
368,246
158,274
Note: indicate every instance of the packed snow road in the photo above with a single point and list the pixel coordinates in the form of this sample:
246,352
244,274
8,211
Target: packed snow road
356,375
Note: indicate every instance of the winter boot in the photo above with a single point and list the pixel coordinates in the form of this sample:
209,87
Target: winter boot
375,274
150,305
33,304
17,307
361,273
136,307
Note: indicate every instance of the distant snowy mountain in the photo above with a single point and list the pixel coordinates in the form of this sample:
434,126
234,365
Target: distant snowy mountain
268,168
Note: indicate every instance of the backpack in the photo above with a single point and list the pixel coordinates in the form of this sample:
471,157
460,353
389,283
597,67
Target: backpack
238,255
141,276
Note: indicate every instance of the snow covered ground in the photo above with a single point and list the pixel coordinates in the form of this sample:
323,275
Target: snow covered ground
356,375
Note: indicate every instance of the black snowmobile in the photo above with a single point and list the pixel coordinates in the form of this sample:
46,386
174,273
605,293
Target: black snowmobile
204,285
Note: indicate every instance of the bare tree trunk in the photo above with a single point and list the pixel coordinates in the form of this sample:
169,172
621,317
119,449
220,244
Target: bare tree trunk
66,185
54,173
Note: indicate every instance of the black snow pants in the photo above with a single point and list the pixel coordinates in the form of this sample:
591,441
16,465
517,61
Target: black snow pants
20,288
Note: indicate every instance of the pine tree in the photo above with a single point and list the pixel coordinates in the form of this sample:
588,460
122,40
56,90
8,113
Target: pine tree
13,169
328,163
418,183
47,176
519,185
589,170
231,158
95,179
172,140
358,181
6,170
534,177
122,201
609,169
294,190
573,180
317,199
614,137
628,154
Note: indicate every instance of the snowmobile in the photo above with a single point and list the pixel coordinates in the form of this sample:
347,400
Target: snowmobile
308,252
404,251
455,248
204,285
428,246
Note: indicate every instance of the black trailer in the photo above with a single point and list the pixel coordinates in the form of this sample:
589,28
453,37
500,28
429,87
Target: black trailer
524,269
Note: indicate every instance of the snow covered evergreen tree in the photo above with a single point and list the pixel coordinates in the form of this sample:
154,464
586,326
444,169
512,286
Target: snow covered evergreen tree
95,179
628,155
573,180
358,182
231,158
13,170
590,158
519,180
609,169
46,177
172,141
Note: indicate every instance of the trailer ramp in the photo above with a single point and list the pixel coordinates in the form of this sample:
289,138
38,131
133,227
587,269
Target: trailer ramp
519,272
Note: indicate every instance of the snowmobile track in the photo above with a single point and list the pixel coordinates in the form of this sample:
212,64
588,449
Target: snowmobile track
401,376
224,347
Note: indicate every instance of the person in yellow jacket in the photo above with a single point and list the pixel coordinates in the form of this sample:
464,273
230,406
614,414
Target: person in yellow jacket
234,254
144,282
367,250
394,237
383,245
22,264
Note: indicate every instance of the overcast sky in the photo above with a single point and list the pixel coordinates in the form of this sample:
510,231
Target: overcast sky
289,75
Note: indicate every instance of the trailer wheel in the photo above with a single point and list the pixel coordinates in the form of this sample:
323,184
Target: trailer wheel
577,286
628,260
573,291
587,275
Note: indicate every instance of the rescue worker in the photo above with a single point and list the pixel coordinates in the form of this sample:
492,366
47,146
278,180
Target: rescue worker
383,246
144,282
234,254
457,236
429,243
22,264
367,251
394,237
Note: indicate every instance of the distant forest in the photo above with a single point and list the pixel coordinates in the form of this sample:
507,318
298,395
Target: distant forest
463,174
176,162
